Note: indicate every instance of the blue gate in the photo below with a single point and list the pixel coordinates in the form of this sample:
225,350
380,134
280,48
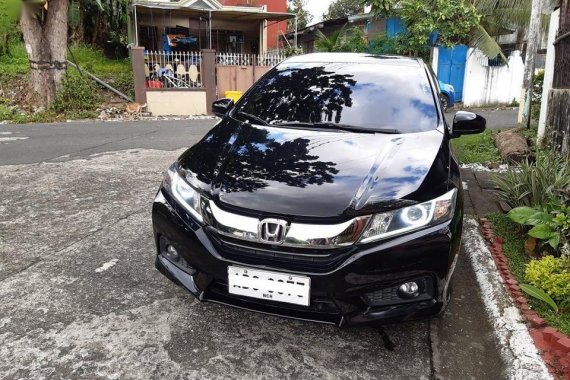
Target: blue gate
451,68
394,26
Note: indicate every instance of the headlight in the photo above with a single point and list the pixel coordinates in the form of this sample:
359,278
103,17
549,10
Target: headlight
182,192
411,218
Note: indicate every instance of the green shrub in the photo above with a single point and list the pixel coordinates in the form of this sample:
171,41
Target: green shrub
552,275
6,113
552,227
535,184
77,93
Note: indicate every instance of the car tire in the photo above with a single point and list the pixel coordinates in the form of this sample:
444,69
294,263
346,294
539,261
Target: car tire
444,102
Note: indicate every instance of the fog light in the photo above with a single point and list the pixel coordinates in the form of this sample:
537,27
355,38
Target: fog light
409,289
171,253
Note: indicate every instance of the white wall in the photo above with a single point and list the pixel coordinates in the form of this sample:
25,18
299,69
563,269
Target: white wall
548,72
486,85
177,103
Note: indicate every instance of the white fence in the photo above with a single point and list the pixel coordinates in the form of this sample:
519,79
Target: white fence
164,69
235,59
487,84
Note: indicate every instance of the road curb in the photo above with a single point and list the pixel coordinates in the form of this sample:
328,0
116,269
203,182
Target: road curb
518,351
553,345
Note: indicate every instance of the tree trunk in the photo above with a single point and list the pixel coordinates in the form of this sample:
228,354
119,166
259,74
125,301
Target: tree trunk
46,45
512,146
558,121
532,43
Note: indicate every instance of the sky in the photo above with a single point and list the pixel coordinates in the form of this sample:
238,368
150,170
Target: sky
317,8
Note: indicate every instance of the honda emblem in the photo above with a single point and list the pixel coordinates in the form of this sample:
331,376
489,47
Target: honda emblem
272,230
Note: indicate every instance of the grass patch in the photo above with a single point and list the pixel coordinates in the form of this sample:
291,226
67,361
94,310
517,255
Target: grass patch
78,97
15,62
480,148
94,61
87,57
513,247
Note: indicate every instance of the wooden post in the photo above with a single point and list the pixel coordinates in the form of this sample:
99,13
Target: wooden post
208,72
557,134
137,59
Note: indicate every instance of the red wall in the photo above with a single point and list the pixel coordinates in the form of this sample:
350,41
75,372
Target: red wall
274,29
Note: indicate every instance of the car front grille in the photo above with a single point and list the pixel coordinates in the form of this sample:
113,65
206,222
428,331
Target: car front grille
320,260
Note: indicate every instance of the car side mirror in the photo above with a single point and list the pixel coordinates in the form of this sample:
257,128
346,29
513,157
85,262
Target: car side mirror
221,107
467,123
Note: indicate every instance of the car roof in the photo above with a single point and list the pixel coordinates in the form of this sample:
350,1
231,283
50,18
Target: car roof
356,58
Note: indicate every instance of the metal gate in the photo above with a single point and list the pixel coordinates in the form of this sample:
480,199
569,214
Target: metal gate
451,68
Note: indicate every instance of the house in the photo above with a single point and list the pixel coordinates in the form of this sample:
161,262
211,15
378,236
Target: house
229,26
371,26
187,53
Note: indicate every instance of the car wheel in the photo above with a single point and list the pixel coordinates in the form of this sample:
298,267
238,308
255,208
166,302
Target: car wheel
444,102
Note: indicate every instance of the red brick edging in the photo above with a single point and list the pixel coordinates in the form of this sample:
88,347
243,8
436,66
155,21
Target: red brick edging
553,345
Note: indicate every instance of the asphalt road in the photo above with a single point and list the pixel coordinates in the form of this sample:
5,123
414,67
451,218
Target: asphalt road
80,297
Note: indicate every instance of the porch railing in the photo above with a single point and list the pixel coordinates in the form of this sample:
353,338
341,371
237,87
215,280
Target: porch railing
164,69
235,59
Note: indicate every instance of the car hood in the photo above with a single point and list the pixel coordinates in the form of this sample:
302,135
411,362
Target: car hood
308,173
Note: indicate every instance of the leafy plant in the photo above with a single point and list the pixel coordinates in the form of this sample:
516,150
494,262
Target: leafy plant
342,40
454,20
6,113
493,18
290,51
535,184
540,295
552,274
553,227
77,93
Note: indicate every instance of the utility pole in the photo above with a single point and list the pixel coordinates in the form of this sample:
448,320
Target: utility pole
531,47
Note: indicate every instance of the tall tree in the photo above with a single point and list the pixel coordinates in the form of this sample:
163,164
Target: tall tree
44,27
496,17
343,8
453,19
304,17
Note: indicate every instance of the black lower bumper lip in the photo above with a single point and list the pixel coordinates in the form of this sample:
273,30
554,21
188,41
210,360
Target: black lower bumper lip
338,295
177,275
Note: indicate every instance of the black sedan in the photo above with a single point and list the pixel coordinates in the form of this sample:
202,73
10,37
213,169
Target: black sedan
328,193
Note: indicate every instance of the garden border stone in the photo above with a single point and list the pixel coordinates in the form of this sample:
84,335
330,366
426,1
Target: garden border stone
553,345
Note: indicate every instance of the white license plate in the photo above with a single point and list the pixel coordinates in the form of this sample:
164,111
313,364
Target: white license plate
268,285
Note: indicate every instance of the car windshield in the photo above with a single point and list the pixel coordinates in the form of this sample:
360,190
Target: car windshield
371,96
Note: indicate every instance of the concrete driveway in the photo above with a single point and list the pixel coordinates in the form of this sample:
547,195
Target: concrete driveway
80,297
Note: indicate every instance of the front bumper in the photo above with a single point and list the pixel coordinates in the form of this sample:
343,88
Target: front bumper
352,288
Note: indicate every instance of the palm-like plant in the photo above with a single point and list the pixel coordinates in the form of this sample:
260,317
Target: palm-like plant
499,16
343,40
331,42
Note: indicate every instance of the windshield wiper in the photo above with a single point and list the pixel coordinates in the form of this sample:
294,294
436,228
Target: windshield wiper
330,125
256,119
